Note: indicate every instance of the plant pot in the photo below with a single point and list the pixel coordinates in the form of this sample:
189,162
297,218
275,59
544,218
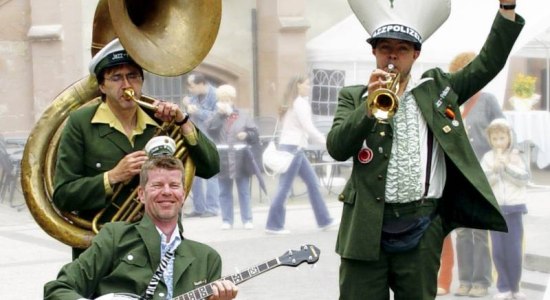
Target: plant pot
524,104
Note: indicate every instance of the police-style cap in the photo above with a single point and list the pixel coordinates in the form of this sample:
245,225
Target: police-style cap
111,55
160,145
408,20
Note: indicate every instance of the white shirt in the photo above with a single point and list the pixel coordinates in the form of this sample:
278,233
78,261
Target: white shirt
298,125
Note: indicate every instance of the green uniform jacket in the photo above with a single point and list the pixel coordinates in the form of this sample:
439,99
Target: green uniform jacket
123,258
467,197
87,150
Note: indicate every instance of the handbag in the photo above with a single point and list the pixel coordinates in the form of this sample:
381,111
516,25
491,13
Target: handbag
275,161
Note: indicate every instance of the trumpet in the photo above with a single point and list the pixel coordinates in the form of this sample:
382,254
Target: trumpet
383,102
130,95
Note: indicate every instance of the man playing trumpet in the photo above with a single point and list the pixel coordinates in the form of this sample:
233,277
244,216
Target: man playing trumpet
102,145
415,176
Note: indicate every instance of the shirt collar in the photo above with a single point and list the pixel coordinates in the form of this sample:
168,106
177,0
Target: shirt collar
175,238
104,115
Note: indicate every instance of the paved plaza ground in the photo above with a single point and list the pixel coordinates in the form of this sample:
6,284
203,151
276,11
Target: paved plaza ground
29,257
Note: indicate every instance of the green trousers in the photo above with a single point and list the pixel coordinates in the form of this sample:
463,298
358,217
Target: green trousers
410,275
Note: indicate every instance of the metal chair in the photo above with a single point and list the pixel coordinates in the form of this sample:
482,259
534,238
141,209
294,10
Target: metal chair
10,161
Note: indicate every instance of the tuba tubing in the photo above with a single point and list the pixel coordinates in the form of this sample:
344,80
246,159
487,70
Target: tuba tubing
167,38
131,208
38,164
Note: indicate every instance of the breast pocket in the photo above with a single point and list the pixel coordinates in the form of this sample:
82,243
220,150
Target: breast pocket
130,263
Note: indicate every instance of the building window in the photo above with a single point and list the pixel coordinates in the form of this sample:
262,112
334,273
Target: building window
171,89
326,85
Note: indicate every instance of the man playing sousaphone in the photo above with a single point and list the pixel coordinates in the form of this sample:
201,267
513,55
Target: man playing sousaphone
415,176
102,145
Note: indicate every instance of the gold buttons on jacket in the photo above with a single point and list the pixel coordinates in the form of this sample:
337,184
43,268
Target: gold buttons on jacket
379,199
98,165
130,257
341,197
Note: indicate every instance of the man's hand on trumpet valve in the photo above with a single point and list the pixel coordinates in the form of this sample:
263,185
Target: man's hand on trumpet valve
378,79
167,111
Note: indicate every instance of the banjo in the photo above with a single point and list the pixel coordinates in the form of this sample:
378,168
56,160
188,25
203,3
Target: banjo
291,258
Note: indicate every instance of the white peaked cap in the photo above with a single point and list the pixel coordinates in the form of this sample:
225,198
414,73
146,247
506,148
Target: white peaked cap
111,55
160,145
410,20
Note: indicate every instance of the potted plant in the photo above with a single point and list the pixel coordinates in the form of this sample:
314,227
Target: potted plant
524,96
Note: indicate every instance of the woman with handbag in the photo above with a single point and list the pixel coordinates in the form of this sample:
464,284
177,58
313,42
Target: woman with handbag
235,134
297,128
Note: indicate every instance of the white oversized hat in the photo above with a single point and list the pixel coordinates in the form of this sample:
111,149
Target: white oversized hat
410,20
109,56
160,145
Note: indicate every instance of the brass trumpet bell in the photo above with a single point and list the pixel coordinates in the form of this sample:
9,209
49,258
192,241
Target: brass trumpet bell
383,102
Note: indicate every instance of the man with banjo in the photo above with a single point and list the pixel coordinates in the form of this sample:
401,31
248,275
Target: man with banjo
122,259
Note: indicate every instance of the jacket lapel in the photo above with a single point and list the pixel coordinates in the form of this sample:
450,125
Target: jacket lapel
151,238
182,261
115,137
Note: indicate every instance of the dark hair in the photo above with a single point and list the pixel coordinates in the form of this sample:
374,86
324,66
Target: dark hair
100,76
197,78
165,162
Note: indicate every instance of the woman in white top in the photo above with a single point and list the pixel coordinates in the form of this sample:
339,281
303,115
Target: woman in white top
297,128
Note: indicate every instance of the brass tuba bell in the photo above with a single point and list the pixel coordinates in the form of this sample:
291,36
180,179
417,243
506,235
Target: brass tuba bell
383,102
167,38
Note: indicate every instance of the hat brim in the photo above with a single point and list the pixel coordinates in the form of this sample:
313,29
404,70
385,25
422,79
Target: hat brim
107,63
396,36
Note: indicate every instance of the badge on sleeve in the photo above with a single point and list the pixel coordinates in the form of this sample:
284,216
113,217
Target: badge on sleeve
365,154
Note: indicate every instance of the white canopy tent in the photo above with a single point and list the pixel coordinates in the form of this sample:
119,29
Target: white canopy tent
343,46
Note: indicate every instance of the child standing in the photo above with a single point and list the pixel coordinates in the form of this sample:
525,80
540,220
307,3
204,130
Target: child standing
508,176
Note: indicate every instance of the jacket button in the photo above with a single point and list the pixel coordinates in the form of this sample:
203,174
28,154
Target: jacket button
98,165
386,156
161,295
380,177
341,197
378,199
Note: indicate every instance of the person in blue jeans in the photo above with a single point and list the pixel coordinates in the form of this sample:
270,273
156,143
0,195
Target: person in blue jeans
297,128
472,245
200,107
234,133
508,175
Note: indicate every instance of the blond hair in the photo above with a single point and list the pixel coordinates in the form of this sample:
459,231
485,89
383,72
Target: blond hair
460,61
164,162
226,91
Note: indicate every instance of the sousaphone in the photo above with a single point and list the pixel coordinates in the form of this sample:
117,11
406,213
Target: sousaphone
165,37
